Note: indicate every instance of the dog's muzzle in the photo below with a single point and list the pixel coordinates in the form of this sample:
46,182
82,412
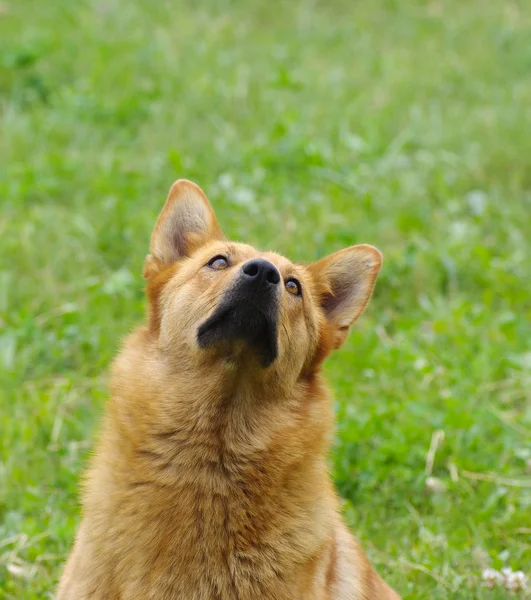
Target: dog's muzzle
248,312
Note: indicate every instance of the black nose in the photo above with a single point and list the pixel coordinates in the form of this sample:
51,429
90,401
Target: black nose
261,271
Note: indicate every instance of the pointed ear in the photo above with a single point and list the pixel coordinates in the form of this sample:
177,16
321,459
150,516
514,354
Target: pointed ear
185,223
346,279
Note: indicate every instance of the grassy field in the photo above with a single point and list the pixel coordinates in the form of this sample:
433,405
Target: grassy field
311,125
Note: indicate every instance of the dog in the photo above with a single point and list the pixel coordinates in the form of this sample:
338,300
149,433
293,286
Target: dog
210,477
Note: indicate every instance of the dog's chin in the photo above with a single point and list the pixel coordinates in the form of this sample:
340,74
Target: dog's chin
242,323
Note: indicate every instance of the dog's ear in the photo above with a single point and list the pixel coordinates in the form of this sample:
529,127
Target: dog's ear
346,280
186,222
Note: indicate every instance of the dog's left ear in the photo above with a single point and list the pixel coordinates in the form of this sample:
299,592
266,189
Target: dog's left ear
346,280
186,222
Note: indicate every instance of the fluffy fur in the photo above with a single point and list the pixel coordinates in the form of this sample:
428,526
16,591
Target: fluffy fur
209,480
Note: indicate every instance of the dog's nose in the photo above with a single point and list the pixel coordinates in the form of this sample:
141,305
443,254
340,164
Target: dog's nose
261,271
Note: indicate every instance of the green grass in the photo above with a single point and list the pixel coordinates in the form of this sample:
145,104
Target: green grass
311,125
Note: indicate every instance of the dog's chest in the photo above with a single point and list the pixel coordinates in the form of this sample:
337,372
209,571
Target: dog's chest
223,510
216,546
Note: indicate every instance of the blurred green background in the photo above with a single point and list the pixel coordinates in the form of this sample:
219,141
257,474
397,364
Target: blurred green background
311,125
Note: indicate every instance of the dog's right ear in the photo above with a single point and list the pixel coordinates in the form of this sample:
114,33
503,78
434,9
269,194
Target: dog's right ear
186,222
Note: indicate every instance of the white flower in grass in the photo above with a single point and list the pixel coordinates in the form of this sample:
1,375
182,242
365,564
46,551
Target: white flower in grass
492,578
512,581
506,572
515,582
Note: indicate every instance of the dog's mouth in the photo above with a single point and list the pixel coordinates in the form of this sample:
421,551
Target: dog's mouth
242,321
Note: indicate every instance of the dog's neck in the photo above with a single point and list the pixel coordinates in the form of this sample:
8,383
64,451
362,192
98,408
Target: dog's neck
214,414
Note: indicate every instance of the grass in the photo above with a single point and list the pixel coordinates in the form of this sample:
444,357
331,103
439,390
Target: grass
311,125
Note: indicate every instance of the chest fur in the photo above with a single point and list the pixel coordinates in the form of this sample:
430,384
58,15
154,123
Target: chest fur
223,530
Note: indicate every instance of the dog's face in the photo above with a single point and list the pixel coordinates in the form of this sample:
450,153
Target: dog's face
216,300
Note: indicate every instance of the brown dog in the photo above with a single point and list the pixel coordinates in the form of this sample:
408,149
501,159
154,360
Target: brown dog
210,479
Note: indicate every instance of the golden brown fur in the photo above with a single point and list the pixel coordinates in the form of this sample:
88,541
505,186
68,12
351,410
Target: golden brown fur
209,480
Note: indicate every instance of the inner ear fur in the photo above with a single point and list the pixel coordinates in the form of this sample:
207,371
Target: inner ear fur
186,222
346,280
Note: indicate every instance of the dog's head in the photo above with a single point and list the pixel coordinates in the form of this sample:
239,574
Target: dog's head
216,300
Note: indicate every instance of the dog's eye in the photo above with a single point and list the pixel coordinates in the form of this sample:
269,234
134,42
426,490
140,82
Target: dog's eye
293,287
218,262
